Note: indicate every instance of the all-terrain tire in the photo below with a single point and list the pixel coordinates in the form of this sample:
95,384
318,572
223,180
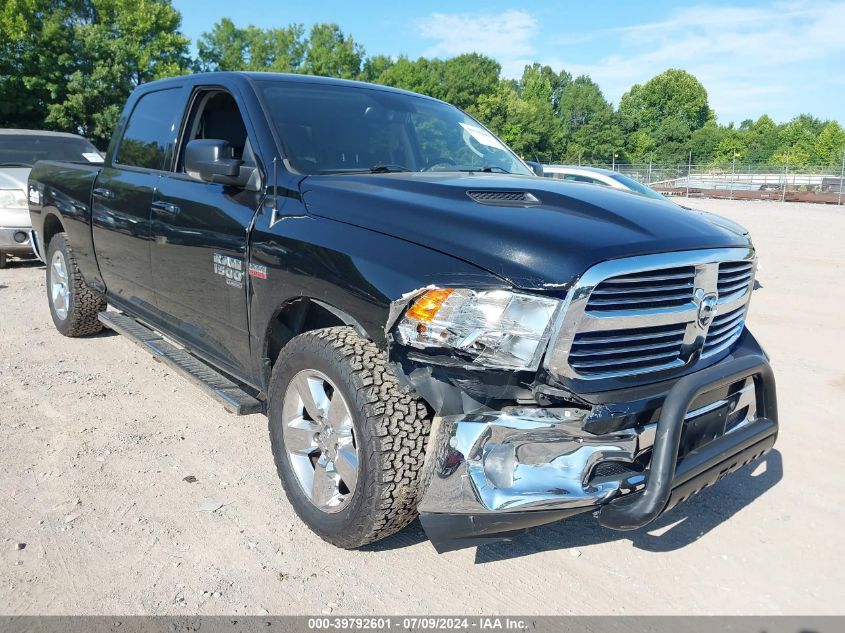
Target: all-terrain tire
83,303
391,427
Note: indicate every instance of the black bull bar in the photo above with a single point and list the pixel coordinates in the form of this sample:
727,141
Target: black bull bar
670,483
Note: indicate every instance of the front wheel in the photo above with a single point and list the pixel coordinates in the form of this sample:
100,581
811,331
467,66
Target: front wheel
73,305
348,441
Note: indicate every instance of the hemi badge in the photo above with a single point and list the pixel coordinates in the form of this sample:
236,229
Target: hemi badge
256,270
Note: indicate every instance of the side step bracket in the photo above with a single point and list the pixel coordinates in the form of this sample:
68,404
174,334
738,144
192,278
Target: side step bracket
230,395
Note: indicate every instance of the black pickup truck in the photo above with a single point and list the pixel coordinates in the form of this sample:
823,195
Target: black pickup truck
430,327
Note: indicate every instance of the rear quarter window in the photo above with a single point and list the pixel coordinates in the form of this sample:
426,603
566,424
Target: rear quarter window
579,178
151,129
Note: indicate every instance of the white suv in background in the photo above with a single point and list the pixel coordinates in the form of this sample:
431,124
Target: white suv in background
598,176
615,180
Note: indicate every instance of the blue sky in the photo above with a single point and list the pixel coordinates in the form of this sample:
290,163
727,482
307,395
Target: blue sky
780,58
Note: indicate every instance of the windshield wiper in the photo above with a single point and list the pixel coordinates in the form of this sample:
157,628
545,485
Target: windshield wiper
488,169
375,169
387,168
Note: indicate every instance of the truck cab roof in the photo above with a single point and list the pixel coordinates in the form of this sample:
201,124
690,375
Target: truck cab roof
223,77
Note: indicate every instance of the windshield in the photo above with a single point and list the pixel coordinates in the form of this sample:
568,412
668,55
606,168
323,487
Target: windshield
25,149
637,187
330,129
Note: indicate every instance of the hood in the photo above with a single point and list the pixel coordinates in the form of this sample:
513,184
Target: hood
718,220
566,229
14,177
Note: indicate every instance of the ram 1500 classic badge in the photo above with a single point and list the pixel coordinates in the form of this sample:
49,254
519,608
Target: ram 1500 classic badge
231,268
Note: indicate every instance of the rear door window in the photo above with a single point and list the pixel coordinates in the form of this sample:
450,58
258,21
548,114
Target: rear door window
151,130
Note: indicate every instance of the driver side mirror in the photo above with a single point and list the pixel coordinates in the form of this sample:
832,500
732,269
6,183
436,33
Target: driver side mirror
211,160
537,168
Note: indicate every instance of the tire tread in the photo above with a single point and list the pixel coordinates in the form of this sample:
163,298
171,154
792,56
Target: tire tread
86,303
400,424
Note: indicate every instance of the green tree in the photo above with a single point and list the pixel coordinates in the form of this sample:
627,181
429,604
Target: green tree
331,53
761,140
641,147
672,138
829,145
72,63
228,47
734,143
529,128
467,77
589,125
669,108
422,75
36,56
673,93
375,67
796,142
459,80
813,124
706,141
223,48
543,81
117,45
580,103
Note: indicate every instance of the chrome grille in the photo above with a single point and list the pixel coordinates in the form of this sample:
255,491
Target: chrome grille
650,289
723,331
645,314
599,352
734,277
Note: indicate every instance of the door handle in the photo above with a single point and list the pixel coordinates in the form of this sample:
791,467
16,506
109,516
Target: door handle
102,192
161,206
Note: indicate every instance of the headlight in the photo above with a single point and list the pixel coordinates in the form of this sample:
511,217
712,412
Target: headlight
12,199
493,328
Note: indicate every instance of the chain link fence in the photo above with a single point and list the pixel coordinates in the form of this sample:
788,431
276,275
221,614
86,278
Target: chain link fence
808,183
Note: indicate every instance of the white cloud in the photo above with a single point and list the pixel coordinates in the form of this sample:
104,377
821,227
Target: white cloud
784,58
508,37
751,60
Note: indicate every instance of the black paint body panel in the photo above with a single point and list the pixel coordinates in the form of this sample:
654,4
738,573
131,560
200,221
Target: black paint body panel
211,310
121,232
64,190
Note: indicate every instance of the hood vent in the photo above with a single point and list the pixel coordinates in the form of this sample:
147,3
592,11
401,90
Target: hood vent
504,198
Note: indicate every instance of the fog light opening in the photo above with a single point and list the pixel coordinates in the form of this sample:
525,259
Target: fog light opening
20,237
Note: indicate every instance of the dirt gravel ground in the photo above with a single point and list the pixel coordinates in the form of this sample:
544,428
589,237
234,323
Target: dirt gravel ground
96,440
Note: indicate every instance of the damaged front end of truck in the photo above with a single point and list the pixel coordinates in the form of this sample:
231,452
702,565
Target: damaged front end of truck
622,393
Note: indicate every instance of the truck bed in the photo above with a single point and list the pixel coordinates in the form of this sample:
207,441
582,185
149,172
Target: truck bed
66,189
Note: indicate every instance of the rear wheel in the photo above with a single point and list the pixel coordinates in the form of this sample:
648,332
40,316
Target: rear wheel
347,440
73,305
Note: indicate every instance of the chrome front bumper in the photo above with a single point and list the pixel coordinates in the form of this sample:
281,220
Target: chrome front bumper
8,243
492,474
522,459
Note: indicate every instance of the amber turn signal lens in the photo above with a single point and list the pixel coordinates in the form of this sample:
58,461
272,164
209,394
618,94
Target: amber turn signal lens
426,307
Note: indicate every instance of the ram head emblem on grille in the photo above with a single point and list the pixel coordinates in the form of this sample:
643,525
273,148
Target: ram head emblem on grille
707,306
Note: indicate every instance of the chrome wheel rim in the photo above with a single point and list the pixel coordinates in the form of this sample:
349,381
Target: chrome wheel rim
59,287
320,440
